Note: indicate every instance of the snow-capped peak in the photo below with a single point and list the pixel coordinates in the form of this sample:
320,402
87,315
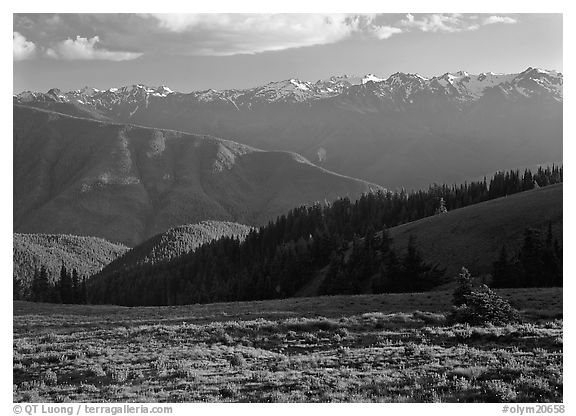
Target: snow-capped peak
401,78
371,78
162,91
299,84
459,86
88,91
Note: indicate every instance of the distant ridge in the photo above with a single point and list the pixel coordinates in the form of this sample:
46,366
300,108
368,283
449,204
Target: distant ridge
405,130
126,183
175,242
461,85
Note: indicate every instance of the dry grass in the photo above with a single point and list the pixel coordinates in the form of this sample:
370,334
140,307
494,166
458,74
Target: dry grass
389,348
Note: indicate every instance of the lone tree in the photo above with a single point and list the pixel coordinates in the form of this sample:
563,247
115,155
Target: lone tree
442,208
479,306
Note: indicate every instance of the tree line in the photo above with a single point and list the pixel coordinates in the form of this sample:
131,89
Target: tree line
68,288
278,260
373,265
537,263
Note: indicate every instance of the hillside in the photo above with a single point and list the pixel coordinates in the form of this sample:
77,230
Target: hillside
338,248
473,236
175,242
404,131
127,183
87,255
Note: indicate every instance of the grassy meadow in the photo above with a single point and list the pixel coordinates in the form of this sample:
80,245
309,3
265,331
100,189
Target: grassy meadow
364,348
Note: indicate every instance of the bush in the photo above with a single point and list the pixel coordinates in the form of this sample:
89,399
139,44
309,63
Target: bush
96,370
482,307
238,361
50,377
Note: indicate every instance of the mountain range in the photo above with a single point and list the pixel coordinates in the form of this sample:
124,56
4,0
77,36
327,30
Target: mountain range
406,130
126,183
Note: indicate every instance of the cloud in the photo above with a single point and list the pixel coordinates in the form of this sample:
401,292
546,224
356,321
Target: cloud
118,37
384,32
86,49
451,23
439,23
229,34
499,19
22,48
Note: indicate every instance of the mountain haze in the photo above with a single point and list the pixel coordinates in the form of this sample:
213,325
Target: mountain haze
127,183
402,131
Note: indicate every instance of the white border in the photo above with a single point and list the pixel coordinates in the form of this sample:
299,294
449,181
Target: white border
260,6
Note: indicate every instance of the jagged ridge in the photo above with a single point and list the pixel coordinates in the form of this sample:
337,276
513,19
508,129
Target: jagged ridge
459,85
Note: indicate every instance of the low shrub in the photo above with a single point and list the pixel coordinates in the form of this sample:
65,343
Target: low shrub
483,307
479,306
50,377
238,361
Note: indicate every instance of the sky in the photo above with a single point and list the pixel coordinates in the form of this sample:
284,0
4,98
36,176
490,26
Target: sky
189,52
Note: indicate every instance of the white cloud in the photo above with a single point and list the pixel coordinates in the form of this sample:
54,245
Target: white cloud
451,22
228,34
439,23
22,48
86,49
499,19
384,32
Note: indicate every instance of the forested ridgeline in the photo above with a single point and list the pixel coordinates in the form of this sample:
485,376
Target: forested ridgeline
336,241
175,242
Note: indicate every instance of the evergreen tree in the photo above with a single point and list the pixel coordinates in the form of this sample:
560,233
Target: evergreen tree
538,263
530,258
35,286
442,208
66,289
76,295
83,292
17,288
41,287
416,275
464,287
504,272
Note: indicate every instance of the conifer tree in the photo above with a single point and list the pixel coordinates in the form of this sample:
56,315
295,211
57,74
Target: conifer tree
17,288
75,298
41,288
83,292
504,274
442,208
464,287
66,289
